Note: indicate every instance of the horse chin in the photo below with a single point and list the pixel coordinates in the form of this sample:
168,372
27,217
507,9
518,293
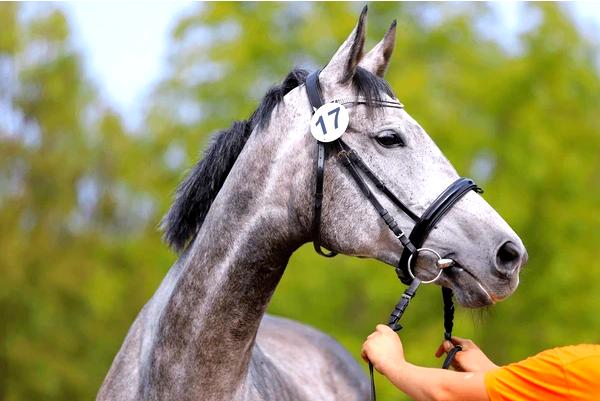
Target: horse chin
468,289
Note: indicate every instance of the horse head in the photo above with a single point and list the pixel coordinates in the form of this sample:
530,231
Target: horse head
487,253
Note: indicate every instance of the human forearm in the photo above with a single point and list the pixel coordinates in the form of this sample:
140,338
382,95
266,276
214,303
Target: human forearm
429,384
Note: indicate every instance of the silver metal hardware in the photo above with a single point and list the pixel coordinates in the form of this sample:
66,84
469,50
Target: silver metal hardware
445,263
395,103
441,269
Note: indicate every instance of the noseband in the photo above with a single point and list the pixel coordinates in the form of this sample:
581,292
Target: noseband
413,243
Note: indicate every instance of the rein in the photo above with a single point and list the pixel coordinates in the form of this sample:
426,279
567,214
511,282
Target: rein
413,243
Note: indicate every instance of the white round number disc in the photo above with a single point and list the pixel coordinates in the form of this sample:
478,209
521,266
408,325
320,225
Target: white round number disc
329,122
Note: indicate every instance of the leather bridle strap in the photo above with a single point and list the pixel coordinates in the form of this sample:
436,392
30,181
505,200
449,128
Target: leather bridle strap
380,185
313,89
349,158
448,325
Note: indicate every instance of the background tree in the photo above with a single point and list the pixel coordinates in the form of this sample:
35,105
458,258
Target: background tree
80,197
76,213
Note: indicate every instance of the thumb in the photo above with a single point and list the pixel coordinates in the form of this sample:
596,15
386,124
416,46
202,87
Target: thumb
444,348
440,351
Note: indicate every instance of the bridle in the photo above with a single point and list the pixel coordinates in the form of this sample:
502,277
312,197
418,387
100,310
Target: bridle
413,243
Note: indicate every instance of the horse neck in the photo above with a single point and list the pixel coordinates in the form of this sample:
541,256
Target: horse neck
208,325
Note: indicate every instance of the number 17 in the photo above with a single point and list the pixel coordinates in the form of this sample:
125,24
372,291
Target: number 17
320,121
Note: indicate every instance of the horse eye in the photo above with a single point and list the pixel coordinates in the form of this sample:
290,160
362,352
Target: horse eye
389,139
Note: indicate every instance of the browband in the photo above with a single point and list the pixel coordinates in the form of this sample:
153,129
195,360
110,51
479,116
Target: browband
377,103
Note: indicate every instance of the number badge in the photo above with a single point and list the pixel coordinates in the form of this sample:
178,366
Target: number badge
329,122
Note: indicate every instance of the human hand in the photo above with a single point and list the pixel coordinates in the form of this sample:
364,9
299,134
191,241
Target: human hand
383,349
470,359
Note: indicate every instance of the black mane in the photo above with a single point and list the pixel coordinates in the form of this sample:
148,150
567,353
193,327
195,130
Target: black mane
196,193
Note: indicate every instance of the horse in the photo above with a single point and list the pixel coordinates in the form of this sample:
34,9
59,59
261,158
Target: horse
247,205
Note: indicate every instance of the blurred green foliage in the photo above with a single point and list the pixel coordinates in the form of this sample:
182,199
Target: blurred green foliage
80,196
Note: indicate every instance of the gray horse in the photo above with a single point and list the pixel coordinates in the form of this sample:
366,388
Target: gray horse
248,205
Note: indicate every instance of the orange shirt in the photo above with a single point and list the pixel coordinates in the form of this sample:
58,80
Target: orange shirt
560,374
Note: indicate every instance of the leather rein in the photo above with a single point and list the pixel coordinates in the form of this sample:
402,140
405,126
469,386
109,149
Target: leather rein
413,243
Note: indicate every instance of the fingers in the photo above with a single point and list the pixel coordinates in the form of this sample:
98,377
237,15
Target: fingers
444,347
465,343
363,354
457,366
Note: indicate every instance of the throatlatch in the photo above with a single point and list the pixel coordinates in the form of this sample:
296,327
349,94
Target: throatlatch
412,244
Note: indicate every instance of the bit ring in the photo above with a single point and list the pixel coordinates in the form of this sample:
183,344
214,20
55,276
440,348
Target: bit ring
417,253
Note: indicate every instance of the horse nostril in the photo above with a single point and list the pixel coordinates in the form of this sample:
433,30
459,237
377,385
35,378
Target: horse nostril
508,258
508,252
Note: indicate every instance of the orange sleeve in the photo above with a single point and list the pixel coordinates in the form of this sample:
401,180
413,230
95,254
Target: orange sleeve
560,374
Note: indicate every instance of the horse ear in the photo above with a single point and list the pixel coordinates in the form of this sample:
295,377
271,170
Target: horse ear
343,64
376,61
